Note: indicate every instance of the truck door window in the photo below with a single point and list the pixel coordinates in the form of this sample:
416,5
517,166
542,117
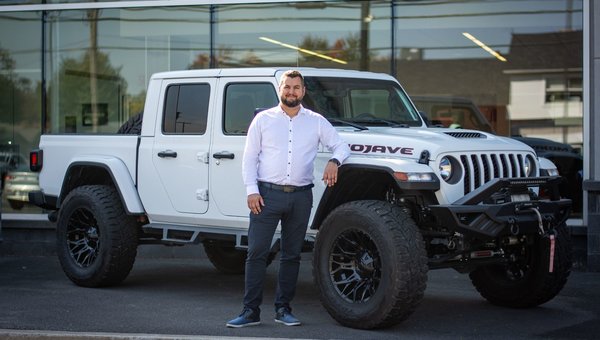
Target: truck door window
186,109
241,103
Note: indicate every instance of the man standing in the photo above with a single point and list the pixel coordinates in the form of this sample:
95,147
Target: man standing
278,164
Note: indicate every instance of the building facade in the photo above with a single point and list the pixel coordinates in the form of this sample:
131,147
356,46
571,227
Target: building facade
77,66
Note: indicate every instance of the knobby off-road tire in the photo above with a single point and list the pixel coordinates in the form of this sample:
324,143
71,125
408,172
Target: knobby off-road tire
96,239
527,283
226,258
369,264
133,126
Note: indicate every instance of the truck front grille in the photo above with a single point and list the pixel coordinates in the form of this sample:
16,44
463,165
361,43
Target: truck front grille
480,168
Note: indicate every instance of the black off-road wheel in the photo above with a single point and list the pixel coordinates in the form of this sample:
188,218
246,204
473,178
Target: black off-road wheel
96,239
369,264
527,281
226,258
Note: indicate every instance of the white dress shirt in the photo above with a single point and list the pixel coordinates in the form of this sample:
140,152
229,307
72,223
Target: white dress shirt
281,150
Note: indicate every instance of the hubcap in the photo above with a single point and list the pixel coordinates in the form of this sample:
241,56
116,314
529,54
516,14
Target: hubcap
83,237
355,266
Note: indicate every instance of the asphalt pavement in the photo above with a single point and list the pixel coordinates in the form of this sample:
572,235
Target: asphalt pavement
182,298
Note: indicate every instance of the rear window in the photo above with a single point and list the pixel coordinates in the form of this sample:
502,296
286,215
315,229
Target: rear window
186,109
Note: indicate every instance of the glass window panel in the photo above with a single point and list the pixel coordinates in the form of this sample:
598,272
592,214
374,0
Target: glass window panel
36,2
242,101
334,34
20,104
186,109
517,63
99,61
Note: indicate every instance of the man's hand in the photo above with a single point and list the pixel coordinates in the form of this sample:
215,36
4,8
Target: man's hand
330,174
255,202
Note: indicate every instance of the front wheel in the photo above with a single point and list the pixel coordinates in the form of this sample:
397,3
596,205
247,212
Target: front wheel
370,264
96,239
526,281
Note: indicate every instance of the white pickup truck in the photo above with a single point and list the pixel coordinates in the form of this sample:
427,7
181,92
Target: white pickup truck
410,198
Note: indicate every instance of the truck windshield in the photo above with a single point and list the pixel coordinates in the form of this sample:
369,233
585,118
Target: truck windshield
368,102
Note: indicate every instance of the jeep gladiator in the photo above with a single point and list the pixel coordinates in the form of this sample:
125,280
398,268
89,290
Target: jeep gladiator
410,198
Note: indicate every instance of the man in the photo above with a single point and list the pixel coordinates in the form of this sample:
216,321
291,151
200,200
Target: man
277,167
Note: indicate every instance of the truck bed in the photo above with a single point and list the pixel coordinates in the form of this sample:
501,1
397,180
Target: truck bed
61,151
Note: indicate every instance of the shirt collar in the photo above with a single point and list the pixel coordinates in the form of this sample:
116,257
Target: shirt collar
302,111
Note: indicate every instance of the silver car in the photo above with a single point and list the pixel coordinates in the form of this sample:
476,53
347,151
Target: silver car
17,185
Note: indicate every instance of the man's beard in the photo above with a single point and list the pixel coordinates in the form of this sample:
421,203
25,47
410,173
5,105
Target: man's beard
291,102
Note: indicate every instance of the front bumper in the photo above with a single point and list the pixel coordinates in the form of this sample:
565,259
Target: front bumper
474,215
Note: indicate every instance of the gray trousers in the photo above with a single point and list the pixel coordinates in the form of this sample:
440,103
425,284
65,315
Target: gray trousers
293,210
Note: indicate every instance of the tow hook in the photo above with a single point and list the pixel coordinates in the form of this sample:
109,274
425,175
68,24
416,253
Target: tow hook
548,237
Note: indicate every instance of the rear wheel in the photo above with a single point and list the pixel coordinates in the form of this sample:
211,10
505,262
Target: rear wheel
370,264
526,281
227,258
96,239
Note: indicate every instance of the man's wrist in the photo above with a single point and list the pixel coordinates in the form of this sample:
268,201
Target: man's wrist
335,161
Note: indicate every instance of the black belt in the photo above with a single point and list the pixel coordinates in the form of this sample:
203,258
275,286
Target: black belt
285,188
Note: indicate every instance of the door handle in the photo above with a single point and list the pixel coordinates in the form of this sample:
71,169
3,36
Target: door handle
167,153
224,154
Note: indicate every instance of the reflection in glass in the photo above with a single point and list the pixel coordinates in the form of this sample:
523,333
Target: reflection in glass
100,61
332,34
20,104
517,63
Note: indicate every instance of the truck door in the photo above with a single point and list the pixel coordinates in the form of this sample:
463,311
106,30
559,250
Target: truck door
239,100
181,146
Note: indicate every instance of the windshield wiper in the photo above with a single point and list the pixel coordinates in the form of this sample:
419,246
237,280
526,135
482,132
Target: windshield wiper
345,122
380,120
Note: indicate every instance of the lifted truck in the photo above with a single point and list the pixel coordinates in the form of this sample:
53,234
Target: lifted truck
410,197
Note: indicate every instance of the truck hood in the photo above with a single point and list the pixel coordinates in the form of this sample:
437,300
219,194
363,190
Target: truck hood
411,142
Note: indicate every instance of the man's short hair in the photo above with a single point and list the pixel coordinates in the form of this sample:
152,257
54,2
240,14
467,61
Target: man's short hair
292,74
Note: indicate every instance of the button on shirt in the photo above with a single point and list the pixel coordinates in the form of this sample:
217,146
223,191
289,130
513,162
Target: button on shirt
281,150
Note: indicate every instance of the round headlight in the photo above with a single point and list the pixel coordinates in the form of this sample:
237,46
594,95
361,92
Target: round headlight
445,169
528,166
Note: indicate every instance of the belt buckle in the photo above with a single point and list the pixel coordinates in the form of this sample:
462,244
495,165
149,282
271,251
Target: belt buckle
288,188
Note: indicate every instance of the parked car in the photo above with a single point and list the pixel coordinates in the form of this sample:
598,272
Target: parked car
452,112
18,184
10,161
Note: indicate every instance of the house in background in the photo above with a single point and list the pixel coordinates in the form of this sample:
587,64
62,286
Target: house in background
546,86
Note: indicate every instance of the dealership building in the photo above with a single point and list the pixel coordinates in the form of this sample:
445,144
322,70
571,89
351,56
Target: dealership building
512,67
